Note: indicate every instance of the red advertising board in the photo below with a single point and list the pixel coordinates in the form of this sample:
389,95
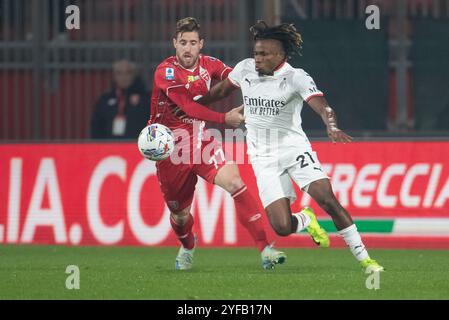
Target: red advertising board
107,194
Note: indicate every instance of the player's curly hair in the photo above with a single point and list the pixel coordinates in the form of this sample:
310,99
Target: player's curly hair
286,33
188,24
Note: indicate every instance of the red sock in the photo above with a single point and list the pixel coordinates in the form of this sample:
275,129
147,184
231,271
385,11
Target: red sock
184,233
249,216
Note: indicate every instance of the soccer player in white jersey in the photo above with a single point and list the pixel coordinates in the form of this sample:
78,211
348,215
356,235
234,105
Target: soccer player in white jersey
273,94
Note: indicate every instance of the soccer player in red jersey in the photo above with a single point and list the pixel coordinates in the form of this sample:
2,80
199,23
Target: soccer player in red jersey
177,80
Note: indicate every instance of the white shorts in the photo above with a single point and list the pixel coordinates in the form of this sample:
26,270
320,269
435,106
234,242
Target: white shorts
274,173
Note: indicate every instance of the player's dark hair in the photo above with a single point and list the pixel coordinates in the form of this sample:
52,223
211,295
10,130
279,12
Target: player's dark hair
188,24
285,33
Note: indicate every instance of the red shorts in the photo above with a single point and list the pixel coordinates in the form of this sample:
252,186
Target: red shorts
178,181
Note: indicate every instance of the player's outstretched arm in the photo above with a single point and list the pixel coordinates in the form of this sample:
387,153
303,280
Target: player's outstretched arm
320,106
183,99
220,91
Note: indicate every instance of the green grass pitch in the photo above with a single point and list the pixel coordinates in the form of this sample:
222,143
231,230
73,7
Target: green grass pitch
38,272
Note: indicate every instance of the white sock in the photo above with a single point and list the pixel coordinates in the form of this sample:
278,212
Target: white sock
303,221
354,242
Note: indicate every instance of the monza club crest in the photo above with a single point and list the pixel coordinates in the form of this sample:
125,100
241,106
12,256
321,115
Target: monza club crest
204,75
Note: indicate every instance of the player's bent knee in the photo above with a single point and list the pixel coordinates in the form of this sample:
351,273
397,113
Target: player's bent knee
235,184
180,217
282,229
228,178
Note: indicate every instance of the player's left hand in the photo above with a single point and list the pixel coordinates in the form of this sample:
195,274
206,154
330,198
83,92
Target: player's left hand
234,118
336,135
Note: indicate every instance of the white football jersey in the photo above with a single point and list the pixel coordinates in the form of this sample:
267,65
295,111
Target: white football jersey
273,104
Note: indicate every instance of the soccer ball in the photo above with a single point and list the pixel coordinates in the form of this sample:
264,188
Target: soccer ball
156,142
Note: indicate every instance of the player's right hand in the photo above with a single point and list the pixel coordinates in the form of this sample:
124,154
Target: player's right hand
234,118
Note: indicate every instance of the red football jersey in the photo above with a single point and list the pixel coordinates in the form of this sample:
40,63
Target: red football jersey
174,90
